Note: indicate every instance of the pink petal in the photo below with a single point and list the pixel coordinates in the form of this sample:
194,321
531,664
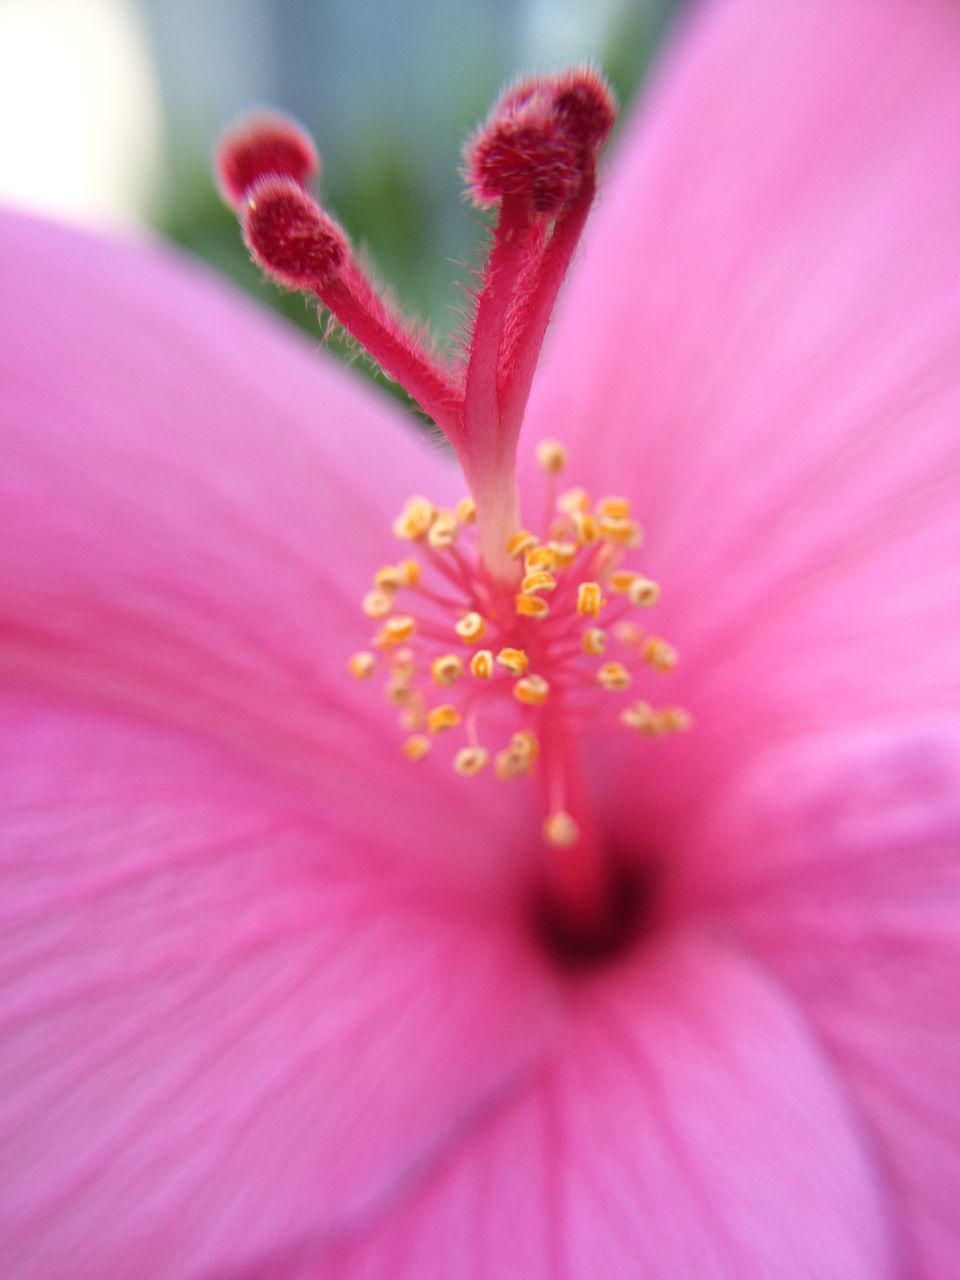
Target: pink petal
227,1025
691,1128
762,347
846,878
191,500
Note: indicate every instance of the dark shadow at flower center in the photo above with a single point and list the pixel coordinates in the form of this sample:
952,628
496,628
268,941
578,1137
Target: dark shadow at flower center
631,915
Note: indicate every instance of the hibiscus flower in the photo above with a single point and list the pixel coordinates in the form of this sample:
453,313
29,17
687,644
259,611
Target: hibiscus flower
280,1002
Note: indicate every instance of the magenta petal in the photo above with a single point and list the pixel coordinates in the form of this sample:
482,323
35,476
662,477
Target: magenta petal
840,864
762,347
192,501
690,1129
226,1027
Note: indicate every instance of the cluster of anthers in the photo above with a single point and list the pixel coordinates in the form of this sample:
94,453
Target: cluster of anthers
455,650
490,629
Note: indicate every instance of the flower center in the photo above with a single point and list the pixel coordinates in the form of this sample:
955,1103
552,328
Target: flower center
512,643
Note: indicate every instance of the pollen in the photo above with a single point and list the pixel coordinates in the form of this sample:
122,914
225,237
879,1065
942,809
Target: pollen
658,654
532,691
416,746
643,591
586,527
520,542
539,580
551,457
376,604
531,606
613,508
362,665
514,661
447,669
443,531
471,628
541,558
414,520
466,511
589,600
560,829
389,578
614,676
594,641
396,630
442,718
470,760
481,664
410,572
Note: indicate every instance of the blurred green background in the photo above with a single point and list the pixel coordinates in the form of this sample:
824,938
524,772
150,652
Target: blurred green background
115,104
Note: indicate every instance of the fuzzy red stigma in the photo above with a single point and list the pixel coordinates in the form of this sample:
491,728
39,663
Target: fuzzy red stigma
540,140
534,161
289,235
267,145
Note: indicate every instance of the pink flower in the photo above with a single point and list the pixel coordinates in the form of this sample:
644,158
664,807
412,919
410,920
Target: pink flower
273,1002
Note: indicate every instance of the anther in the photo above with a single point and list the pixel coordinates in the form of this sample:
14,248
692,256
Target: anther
362,665
573,500
613,508
520,542
414,521
376,604
514,661
471,628
442,718
586,527
551,457
589,600
481,664
560,830
614,676
416,746
262,146
538,581
659,654
532,691
443,531
290,236
466,511
389,578
446,670
594,641
531,606
643,592
470,760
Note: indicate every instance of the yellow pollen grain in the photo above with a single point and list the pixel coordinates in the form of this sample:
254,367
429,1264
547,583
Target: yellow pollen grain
525,744
621,581
539,581
410,571
470,760
362,665
613,508
532,691
471,628
446,669
658,654
572,500
551,456
481,664
441,718
397,630
389,578
643,591
586,527
614,676
376,604
521,542
622,533
560,830
566,553
589,600
594,641
443,531
414,520
531,606
514,661
540,558
416,746
466,511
